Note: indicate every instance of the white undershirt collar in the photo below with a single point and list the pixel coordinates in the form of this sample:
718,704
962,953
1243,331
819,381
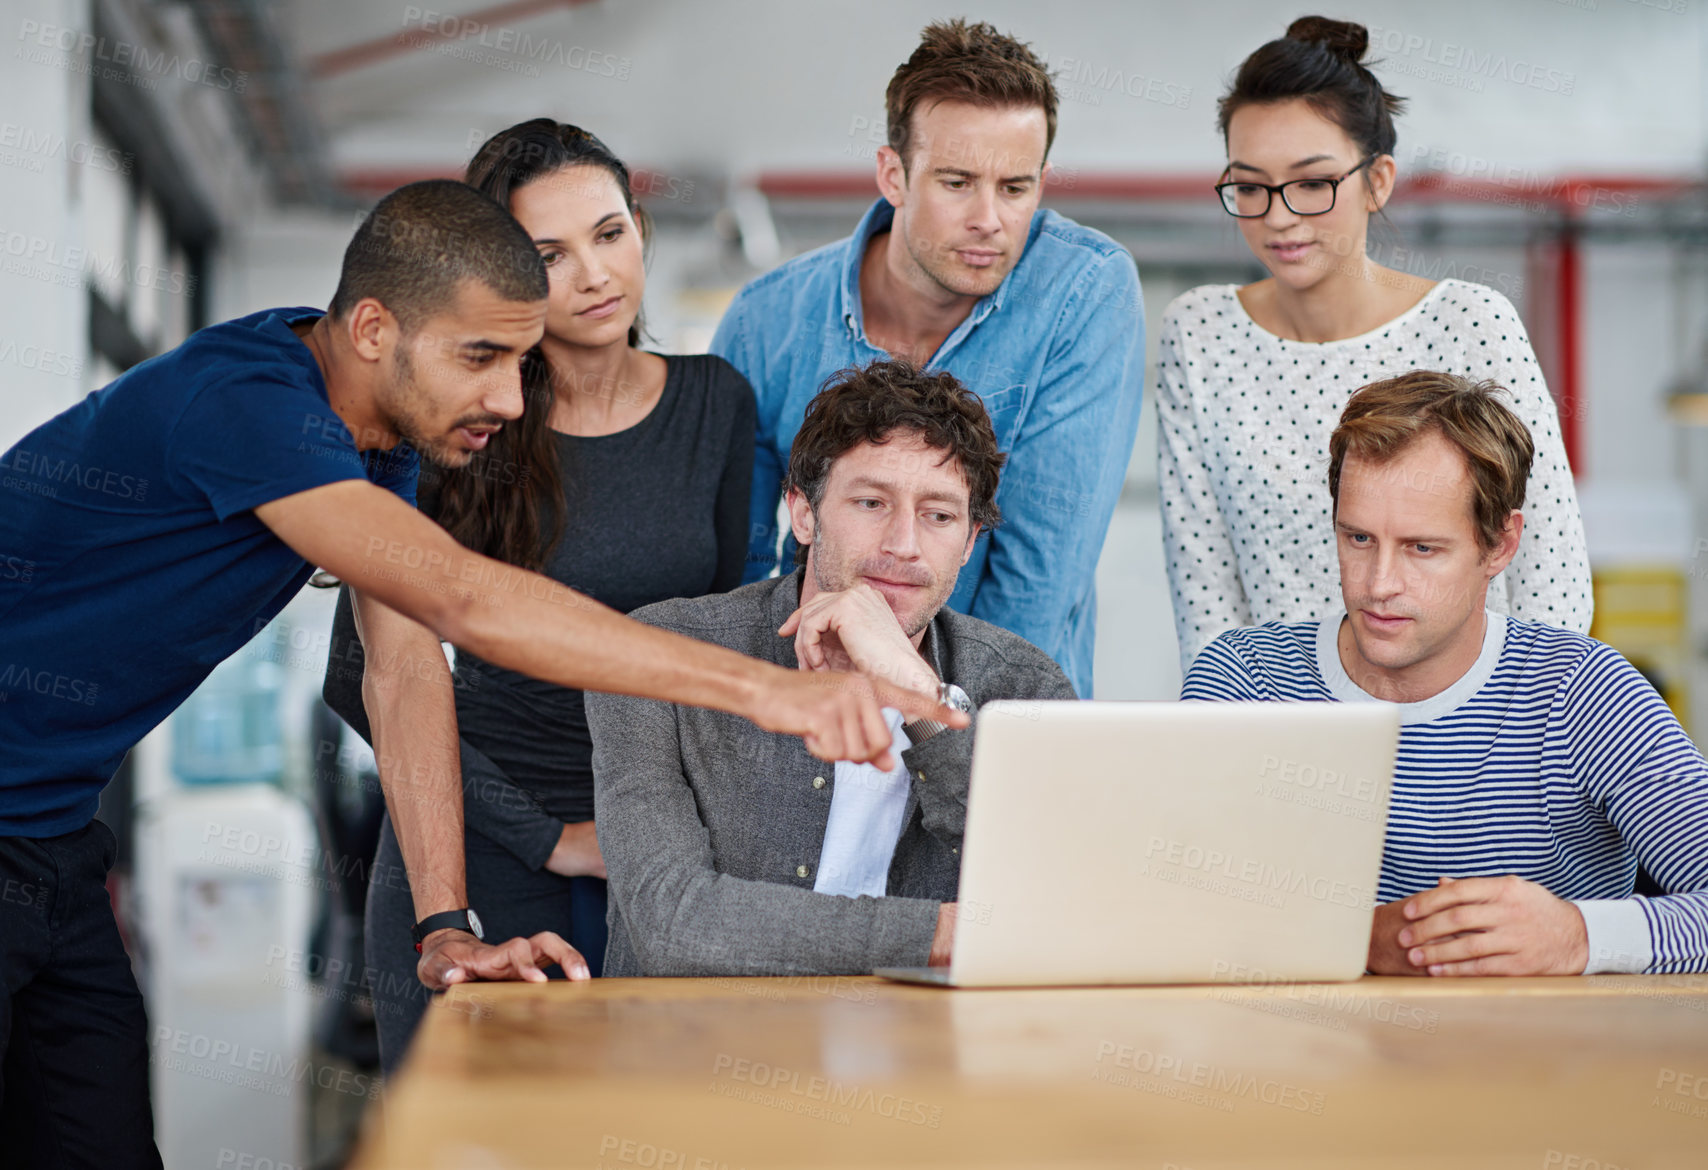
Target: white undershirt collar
1342,687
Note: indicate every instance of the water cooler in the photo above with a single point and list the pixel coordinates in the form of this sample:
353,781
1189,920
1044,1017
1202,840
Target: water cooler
228,872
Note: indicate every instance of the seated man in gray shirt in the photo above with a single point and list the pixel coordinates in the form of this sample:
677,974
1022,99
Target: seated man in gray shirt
732,851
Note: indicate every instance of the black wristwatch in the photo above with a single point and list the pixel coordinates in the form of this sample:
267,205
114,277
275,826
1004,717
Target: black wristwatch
949,695
464,919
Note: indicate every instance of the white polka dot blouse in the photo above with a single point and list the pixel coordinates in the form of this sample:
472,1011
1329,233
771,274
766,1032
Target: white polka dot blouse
1244,419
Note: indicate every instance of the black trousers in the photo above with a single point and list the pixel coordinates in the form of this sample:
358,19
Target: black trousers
512,901
74,1080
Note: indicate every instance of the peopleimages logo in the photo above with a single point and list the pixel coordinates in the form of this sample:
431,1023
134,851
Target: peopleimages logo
823,1091
1084,81
1341,999
449,34
1259,877
1307,775
1214,1080
43,475
47,145
73,43
14,677
39,258
1467,61
214,1058
1509,185
36,357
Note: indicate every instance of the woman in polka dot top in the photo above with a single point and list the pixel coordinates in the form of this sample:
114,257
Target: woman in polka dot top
1252,380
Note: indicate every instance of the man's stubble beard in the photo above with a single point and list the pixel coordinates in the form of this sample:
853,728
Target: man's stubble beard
944,279
974,285
404,399
823,557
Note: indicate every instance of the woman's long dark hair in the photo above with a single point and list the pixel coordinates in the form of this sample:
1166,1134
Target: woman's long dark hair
508,501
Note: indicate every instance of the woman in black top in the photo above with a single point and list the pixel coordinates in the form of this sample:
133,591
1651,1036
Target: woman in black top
627,479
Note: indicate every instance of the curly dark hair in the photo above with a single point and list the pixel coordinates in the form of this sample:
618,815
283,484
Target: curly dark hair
865,404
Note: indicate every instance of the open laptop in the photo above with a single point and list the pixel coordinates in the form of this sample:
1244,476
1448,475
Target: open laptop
1111,843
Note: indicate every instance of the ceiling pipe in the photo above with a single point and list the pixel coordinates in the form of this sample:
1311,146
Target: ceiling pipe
1554,304
453,26
1566,193
375,182
274,102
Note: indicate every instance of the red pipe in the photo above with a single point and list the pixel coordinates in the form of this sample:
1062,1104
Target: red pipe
453,26
380,181
1566,323
1066,182
1568,193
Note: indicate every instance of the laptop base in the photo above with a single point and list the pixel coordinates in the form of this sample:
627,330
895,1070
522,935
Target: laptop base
931,976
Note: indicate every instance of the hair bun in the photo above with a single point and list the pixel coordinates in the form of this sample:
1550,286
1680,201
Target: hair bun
1343,38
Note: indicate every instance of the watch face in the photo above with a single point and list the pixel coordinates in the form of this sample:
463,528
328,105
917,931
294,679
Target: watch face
474,926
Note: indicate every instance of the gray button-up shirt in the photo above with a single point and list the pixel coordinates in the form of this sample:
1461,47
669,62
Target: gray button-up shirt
712,827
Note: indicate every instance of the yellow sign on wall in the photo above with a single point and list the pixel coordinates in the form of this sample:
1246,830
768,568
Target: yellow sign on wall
1640,612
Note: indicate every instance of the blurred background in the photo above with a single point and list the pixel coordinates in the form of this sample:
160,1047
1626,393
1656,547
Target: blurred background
167,165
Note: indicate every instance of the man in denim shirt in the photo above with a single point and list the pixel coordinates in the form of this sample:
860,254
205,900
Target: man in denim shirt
957,269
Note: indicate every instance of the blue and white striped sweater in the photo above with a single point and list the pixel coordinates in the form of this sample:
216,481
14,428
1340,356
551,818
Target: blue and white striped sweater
1552,759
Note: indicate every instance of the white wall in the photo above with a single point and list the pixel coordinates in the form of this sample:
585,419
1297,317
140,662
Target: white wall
46,153
741,86
1632,351
285,258
68,211
752,84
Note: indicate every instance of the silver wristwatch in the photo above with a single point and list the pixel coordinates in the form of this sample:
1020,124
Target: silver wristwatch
949,695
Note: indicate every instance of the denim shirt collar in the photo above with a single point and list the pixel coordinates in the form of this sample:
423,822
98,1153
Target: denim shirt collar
879,217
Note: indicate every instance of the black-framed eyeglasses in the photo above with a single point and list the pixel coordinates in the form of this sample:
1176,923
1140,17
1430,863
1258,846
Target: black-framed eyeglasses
1247,200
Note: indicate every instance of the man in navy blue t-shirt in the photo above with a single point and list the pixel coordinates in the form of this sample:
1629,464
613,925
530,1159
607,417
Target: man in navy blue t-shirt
147,532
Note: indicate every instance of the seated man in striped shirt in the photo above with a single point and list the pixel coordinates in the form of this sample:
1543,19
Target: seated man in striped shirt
1537,769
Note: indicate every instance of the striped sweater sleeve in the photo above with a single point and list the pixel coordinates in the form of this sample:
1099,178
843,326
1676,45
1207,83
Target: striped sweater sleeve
1651,782
1222,673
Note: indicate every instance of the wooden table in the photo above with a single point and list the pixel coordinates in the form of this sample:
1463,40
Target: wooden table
1598,1073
